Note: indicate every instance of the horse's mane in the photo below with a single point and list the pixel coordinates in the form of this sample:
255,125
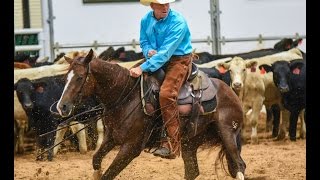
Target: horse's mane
109,65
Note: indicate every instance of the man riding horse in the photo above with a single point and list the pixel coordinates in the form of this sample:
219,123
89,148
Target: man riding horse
166,43
210,112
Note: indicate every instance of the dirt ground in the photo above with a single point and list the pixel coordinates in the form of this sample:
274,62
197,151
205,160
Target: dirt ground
268,160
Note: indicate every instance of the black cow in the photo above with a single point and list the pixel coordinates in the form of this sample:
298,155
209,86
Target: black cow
283,45
215,73
108,54
290,78
25,58
120,54
205,57
287,43
130,55
126,56
37,98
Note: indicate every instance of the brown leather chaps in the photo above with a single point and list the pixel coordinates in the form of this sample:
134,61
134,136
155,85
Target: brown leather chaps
176,72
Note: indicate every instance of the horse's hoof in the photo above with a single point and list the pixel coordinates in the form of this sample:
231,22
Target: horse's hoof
240,176
97,174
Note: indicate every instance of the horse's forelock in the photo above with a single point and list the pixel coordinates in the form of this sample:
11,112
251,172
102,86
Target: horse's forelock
76,60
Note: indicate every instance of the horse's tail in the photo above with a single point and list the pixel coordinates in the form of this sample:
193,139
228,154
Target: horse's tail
220,159
238,141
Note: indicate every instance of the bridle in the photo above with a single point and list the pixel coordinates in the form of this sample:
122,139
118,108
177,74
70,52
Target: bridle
80,94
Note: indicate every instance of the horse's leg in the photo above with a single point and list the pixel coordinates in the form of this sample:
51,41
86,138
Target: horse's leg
81,136
303,125
191,170
58,139
125,155
105,147
231,141
189,156
100,130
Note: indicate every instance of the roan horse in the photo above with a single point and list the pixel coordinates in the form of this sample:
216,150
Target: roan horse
128,126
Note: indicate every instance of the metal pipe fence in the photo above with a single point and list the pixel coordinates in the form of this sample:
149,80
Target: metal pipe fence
208,40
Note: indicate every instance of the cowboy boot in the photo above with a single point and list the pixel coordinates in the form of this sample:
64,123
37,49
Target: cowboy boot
165,150
170,146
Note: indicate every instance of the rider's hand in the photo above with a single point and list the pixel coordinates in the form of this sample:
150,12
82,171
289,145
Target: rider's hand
151,53
135,72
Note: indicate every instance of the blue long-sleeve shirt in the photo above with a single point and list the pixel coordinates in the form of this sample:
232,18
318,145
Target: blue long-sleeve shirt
168,36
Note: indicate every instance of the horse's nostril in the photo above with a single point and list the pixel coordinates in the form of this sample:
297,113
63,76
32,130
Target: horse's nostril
64,108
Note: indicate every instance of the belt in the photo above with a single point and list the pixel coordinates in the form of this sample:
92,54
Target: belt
180,56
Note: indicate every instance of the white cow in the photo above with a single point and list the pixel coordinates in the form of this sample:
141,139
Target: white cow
253,88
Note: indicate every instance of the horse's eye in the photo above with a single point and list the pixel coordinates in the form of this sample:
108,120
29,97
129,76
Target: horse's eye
79,78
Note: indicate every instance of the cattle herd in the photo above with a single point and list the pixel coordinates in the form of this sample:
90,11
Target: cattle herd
273,77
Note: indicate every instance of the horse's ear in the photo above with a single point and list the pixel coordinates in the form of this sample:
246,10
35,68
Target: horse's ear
69,60
89,57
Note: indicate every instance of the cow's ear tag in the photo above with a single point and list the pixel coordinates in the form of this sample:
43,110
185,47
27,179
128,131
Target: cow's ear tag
262,70
288,46
40,89
222,70
122,55
296,71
